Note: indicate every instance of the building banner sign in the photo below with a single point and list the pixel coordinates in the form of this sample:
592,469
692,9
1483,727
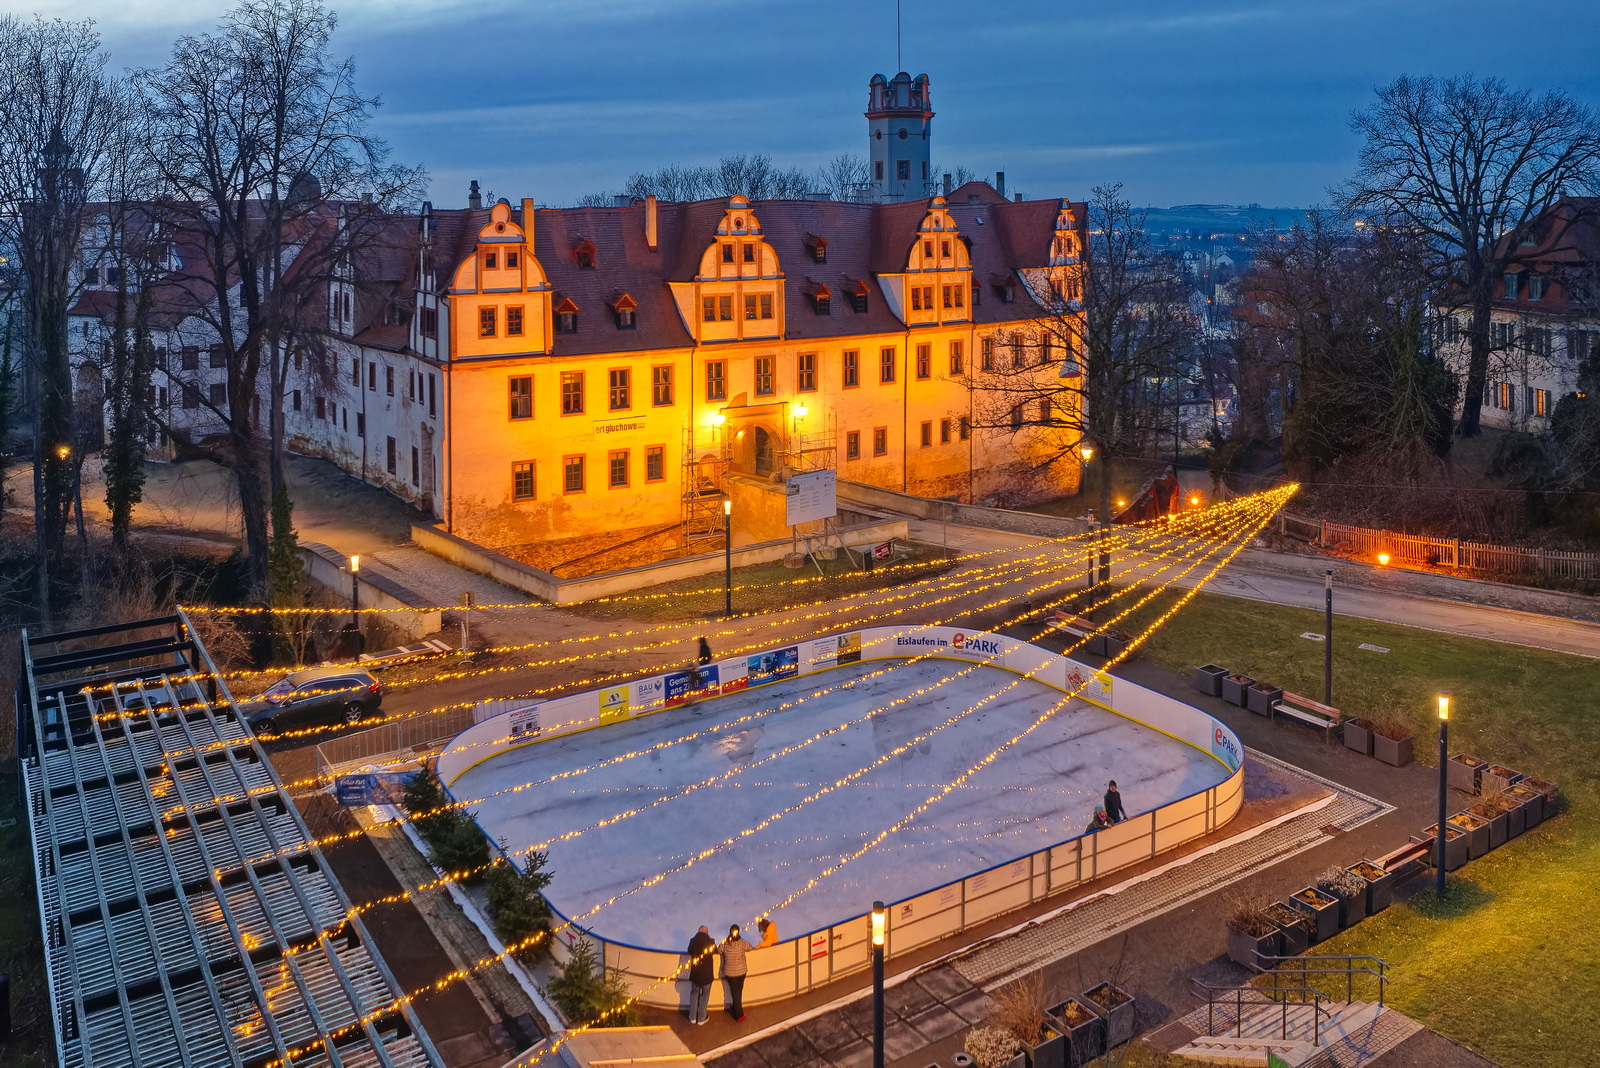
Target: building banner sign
614,704
685,686
770,667
524,723
809,496
606,427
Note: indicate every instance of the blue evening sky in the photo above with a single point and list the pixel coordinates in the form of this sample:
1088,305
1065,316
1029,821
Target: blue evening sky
1229,100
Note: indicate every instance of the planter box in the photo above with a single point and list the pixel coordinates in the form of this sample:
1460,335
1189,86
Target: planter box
1516,818
1086,1039
1455,846
1052,1052
1116,643
1499,823
1116,1007
1531,804
1477,832
1396,752
1496,778
1261,698
1247,949
1293,925
1208,679
1236,689
1323,909
1352,909
1380,885
1465,771
1097,644
1358,736
1549,790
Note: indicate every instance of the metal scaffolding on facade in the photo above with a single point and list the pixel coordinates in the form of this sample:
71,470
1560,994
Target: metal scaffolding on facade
707,457
175,875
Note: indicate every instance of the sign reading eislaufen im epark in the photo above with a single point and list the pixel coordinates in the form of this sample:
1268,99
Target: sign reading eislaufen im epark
811,495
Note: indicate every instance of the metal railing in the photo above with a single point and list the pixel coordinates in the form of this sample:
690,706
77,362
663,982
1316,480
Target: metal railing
1302,968
1280,996
1425,551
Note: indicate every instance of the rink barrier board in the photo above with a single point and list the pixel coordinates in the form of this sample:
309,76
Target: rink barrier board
816,958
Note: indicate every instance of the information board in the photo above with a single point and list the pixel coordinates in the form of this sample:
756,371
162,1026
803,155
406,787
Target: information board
811,495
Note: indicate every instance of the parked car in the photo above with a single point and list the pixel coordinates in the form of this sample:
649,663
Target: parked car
314,694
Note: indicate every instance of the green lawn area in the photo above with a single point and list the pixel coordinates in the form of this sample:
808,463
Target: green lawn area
32,1044
1509,962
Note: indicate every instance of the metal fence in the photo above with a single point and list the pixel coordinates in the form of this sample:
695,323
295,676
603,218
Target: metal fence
389,740
1425,551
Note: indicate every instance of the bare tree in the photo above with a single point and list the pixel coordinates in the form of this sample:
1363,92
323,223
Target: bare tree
60,116
844,177
261,141
1108,348
1470,163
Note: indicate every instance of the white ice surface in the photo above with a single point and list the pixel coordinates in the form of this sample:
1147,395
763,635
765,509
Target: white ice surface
1039,792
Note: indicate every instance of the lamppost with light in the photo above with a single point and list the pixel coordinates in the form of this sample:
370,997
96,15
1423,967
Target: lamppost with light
355,605
1444,786
1086,453
727,557
880,920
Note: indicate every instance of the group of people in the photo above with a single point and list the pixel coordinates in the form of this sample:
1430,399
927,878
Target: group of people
703,952
1109,811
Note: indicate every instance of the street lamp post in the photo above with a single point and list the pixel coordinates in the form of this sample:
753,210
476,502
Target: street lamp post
1087,453
355,605
727,558
1444,785
880,919
1327,638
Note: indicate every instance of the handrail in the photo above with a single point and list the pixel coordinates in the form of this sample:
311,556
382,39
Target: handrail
1274,966
1270,997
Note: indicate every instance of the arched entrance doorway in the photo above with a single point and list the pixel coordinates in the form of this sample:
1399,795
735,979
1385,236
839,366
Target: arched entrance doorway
766,456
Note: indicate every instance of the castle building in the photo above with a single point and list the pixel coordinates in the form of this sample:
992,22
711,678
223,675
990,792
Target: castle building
899,137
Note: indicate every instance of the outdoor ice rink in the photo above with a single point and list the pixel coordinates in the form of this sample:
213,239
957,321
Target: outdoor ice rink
1039,792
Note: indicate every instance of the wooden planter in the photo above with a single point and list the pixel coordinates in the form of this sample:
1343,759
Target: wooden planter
1261,697
1498,820
1236,689
1208,679
1293,925
1531,803
1086,1038
1380,885
1477,832
1116,1008
1248,949
1323,908
1396,752
1358,736
1455,846
1496,778
1465,770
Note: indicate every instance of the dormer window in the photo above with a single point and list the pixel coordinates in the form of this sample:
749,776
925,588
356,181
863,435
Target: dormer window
1512,281
511,261
927,250
566,313
727,252
1535,287
821,298
749,252
491,261
944,249
818,246
583,254
858,296
623,308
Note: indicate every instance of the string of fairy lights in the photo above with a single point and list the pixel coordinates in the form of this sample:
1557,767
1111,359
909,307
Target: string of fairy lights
1268,504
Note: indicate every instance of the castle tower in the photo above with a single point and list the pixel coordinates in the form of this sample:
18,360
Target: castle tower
899,137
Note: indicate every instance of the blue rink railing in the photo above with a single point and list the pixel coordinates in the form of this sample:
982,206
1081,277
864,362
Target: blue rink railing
819,957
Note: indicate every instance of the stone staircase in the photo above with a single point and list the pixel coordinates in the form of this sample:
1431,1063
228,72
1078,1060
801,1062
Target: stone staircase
1288,1032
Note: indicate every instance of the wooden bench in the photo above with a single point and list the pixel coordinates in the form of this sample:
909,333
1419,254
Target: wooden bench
1314,713
1407,861
1068,623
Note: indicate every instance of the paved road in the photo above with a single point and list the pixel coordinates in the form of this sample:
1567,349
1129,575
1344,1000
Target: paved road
1306,591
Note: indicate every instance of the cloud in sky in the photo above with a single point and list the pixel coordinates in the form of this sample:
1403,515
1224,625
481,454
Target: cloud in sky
1242,100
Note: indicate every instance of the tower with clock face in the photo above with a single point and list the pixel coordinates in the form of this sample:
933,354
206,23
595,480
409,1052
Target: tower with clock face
899,137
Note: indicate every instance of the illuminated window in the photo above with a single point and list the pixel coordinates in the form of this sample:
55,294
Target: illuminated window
852,445
522,397
716,380
957,360
621,395
661,385
880,441
572,393
572,474
764,376
806,372
617,467
924,361
487,322
886,363
1541,402
852,369
522,481
514,321
655,463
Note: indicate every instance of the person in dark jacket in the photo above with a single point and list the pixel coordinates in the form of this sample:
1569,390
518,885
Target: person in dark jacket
705,651
702,973
734,970
1113,799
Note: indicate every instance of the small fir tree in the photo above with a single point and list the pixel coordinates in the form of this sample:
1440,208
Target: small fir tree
518,906
586,995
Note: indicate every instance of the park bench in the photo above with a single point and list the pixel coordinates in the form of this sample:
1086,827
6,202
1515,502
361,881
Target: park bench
1313,713
1407,861
1067,623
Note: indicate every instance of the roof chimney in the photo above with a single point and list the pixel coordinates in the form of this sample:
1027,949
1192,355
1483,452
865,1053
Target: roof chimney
474,198
650,221
999,182
947,183
1017,197
527,223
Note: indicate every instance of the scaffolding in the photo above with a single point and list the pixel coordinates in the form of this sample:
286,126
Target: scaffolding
811,449
707,458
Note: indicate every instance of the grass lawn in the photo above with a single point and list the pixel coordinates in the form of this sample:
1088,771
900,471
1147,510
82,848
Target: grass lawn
32,1043
1509,962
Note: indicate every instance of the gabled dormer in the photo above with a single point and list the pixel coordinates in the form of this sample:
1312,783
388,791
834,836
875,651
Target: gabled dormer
936,284
499,295
1057,284
737,291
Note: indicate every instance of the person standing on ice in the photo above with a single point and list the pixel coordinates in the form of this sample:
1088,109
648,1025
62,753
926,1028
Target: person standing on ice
702,973
734,970
1114,812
